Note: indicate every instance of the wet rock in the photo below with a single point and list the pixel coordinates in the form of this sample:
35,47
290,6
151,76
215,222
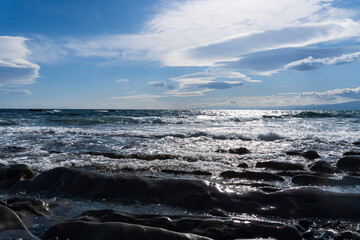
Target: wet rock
279,165
324,181
35,110
294,203
243,165
347,235
215,228
239,151
351,164
218,212
87,184
309,234
356,143
304,223
9,175
136,156
221,150
26,206
322,167
265,176
308,154
352,153
197,172
291,173
113,231
11,226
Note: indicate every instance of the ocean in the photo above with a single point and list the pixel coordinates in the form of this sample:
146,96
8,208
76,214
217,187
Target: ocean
180,144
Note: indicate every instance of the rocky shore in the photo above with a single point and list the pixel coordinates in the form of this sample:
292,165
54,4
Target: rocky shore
40,205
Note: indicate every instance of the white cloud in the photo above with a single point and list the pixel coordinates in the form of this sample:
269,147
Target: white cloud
160,84
16,91
204,32
140,96
311,63
335,94
122,80
14,67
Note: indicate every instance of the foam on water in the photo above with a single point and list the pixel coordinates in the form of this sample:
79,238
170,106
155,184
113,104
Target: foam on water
44,140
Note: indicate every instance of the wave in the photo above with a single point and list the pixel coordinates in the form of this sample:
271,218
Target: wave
270,137
328,114
7,122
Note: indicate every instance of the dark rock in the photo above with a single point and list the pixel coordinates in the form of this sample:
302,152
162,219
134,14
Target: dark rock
265,176
291,173
10,175
194,194
11,226
309,234
197,172
304,223
269,189
243,165
239,151
35,110
322,167
136,156
348,235
220,150
82,183
279,165
352,153
324,181
349,164
218,212
356,143
54,152
208,226
26,206
308,154
113,231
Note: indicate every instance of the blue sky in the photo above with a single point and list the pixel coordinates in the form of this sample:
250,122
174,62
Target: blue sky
178,53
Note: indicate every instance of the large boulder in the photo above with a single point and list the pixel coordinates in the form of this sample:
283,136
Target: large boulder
11,227
113,231
350,164
282,166
9,175
225,228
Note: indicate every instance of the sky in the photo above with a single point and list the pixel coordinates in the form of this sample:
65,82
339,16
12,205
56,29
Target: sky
178,54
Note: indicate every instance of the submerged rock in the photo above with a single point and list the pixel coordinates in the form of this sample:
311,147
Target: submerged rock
324,181
214,228
279,165
113,231
351,164
197,172
322,167
11,226
311,155
265,176
243,165
351,153
239,151
26,206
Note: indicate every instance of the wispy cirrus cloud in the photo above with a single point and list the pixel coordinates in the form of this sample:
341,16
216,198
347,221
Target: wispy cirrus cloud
15,69
122,80
241,27
16,91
